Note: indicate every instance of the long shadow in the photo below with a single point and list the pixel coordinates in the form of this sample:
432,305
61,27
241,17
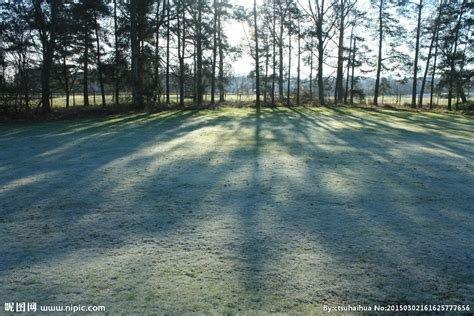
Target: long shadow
391,190
252,245
289,207
49,187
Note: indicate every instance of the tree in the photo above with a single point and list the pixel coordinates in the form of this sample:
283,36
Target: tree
17,40
138,11
323,29
274,63
223,10
417,50
116,56
342,10
45,22
282,12
66,70
387,25
214,50
100,10
454,33
87,14
198,39
257,63
434,27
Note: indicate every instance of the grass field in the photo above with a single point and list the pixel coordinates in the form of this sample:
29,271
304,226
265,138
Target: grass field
60,101
232,211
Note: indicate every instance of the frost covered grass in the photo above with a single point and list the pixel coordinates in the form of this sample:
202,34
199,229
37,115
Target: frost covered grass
232,211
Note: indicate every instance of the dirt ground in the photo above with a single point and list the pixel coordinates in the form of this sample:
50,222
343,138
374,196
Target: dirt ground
231,211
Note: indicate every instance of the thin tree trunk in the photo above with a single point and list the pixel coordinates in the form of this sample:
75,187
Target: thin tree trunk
156,77
379,58
136,71
433,72
99,65
320,68
311,70
181,51
319,35
340,56
346,92
265,77
66,81
167,52
86,70
288,84
214,54
199,70
116,61
430,49
280,55
417,50
257,64
221,60
453,62
354,47
298,70
274,52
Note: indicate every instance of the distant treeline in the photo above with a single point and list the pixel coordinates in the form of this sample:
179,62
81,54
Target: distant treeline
154,49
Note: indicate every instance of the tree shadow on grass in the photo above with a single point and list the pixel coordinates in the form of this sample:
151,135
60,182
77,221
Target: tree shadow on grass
270,211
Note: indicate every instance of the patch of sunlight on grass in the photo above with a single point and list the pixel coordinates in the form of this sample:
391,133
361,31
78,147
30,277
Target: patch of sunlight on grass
25,181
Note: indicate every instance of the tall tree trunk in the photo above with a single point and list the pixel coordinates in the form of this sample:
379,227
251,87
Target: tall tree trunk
136,62
320,48
116,57
181,38
417,50
99,65
280,55
85,82
48,45
379,58
320,67
274,52
346,92
214,54
288,84
265,77
311,71
433,72
460,89
168,52
66,80
26,83
156,61
298,68
452,64
338,91
221,60
430,49
354,47
257,64
199,70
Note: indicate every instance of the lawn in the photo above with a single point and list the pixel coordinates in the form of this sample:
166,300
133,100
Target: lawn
125,98
228,210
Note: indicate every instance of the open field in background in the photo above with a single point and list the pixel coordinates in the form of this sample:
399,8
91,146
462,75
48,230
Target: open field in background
60,101
232,211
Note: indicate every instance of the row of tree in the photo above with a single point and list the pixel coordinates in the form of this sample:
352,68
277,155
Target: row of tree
153,48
